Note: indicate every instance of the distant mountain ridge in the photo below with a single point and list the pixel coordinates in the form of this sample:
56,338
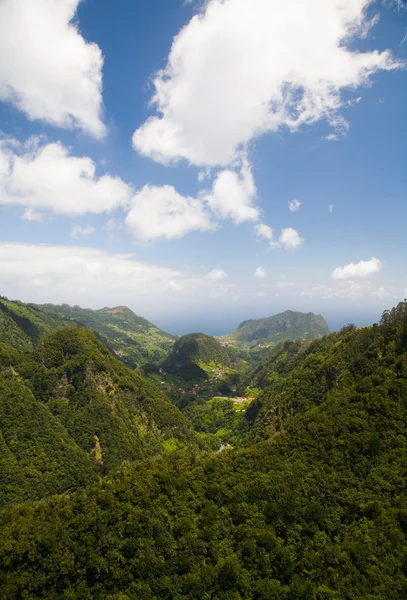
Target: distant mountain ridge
131,338
134,339
288,325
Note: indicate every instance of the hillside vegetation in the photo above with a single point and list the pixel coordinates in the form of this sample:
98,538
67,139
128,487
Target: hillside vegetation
23,325
134,340
69,410
312,506
288,325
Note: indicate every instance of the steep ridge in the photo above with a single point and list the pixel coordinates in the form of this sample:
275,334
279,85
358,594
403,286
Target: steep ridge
196,354
37,455
198,366
23,325
288,325
134,340
314,508
71,397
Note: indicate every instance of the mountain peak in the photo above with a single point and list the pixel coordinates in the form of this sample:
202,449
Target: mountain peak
287,325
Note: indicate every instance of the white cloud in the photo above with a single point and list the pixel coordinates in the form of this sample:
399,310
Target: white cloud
48,177
332,137
78,274
294,205
331,208
290,239
78,231
31,215
162,213
260,273
93,277
364,268
217,275
348,290
47,69
239,69
232,195
265,232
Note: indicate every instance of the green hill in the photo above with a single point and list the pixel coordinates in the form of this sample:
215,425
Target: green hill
288,325
314,507
69,409
196,353
134,340
23,325
197,367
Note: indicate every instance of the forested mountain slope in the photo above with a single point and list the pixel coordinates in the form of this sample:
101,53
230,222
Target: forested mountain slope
69,409
23,325
135,340
288,325
196,355
314,508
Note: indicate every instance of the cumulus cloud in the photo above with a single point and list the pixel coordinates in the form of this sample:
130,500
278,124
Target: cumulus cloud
48,177
239,69
265,232
233,194
79,231
364,268
289,238
51,72
294,205
162,213
260,273
217,275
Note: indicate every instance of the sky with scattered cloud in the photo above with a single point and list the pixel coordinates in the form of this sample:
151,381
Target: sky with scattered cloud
155,154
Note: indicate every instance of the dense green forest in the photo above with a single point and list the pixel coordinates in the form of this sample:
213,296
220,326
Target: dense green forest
309,504
70,410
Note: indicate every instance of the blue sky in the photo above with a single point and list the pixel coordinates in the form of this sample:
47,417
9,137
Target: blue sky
151,151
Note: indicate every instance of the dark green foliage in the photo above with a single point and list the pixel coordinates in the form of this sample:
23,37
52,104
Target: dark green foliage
69,409
196,349
37,456
288,325
314,508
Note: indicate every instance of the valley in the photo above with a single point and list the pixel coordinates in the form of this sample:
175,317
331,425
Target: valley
218,471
